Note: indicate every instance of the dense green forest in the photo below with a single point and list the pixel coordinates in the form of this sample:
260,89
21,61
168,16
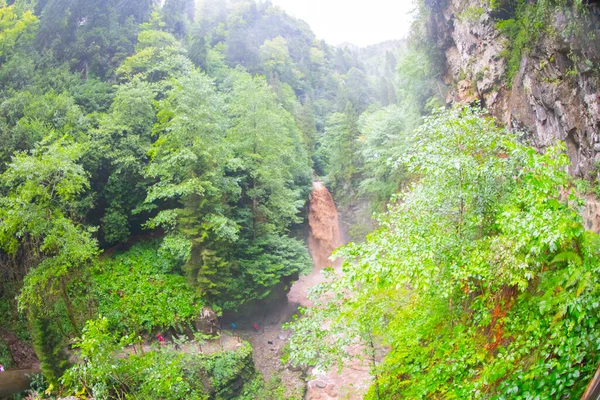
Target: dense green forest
157,160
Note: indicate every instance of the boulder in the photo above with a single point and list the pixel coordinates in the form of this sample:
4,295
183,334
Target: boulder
207,322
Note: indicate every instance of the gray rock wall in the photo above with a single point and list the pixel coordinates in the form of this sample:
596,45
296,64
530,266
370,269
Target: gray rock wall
554,95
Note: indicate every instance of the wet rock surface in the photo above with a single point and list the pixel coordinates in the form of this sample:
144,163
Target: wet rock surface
554,95
207,322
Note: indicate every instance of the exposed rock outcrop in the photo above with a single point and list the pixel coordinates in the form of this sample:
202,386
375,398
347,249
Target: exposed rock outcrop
554,95
207,322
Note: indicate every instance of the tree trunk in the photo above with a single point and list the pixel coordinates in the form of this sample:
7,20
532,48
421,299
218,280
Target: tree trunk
69,306
374,362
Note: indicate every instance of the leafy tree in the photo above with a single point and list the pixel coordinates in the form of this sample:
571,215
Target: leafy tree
190,181
391,63
124,138
270,154
317,56
28,117
476,278
93,37
39,214
386,92
177,15
158,56
17,28
358,89
384,138
418,86
340,147
308,125
274,53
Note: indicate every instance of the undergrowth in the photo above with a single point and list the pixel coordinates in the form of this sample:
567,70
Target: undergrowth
523,23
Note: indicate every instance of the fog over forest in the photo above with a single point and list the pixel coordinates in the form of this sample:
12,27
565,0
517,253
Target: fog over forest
286,200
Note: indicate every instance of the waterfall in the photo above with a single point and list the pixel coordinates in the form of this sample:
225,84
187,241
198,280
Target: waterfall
324,235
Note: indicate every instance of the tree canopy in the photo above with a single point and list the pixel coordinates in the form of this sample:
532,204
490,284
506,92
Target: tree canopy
156,165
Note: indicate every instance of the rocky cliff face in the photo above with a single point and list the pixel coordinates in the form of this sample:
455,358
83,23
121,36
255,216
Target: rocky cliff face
554,95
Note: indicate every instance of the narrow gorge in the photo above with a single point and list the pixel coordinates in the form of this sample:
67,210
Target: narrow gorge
175,176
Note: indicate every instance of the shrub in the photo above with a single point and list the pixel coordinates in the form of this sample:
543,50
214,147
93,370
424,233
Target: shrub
137,291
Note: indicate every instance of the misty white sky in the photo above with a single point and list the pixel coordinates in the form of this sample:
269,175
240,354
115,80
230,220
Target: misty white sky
361,22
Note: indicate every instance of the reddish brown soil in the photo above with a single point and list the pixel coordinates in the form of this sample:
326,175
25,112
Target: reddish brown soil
23,355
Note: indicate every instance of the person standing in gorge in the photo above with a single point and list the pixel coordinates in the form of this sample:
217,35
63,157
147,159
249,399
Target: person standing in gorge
161,339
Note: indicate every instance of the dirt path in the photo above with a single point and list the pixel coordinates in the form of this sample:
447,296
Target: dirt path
23,355
226,342
268,343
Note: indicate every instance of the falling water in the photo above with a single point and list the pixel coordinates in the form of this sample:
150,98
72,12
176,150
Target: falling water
324,226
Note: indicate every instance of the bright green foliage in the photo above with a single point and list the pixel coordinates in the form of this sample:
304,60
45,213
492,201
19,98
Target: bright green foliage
29,116
270,157
275,54
137,292
273,389
157,374
121,144
479,280
187,166
153,375
227,368
158,56
38,210
191,133
239,185
383,137
39,229
272,169
340,150
16,27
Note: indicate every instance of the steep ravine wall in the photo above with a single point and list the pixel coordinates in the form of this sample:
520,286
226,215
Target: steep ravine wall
552,96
